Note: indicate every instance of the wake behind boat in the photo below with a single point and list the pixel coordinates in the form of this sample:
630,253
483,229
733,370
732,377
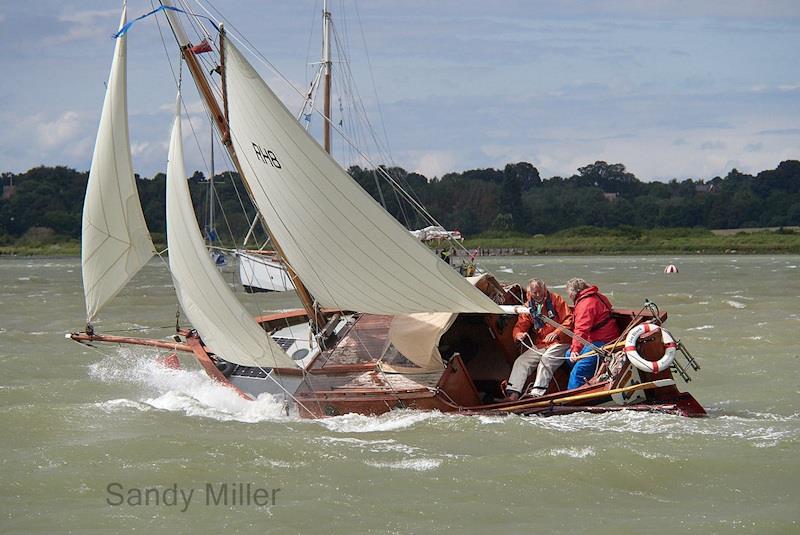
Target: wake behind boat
385,323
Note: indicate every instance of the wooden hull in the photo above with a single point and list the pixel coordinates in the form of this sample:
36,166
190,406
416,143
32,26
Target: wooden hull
348,378
453,388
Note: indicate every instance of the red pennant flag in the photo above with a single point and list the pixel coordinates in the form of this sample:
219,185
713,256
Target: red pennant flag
201,48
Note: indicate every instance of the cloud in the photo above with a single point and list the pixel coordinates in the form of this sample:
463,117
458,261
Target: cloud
679,53
83,26
194,107
153,154
435,163
780,132
89,17
58,132
712,145
754,147
45,139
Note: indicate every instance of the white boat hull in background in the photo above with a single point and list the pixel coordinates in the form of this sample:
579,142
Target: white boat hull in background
261,272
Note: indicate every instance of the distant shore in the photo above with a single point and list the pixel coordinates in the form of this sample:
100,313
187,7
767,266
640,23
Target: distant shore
592,241
578,241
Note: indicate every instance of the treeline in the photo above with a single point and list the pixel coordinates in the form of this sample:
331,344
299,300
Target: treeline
606,195
48,200
47,204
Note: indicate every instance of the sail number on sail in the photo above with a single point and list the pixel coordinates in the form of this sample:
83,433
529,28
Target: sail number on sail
266,156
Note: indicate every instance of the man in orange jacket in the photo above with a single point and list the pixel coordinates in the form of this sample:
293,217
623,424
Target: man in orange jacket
545,345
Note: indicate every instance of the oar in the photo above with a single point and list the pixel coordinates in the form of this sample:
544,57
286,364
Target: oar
591,395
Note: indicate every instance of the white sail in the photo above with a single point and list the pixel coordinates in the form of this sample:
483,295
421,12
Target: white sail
115,242
348,251
222,322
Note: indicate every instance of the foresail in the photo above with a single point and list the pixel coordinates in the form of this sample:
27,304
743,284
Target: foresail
348,251
115,242
220,319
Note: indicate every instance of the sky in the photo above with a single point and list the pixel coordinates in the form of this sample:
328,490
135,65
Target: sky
672,89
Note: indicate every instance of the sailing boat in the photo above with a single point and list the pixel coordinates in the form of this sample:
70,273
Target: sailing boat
385,323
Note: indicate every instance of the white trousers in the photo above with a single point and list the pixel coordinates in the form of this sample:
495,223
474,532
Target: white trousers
545,360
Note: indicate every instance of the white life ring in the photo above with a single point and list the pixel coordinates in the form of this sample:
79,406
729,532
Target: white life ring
646,365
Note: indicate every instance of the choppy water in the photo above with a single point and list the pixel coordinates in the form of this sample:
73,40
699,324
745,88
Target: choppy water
74,420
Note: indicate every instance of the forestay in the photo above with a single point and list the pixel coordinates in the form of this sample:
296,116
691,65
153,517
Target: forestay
220,319
115,240
348,251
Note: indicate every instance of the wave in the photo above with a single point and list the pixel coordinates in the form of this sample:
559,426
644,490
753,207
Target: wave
417,465
759,429
194,394
189,391
735,304
390,421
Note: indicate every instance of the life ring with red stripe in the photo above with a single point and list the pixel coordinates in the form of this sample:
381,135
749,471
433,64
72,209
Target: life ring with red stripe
646,365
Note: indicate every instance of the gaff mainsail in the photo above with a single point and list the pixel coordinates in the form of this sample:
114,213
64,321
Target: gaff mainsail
220,319
115,242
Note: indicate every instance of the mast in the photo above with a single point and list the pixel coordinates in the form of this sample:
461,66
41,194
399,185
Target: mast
221,121
210,195
326,63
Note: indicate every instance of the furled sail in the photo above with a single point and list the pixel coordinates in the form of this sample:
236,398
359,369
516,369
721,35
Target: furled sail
348,251
222,321
115,242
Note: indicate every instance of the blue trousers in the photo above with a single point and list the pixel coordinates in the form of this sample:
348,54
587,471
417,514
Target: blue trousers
584,369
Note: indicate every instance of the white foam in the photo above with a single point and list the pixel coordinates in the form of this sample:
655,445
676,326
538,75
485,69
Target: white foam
493,420
700,328
417,465
736,304
113,405
576,453
189,391
390,421
653,455
262,461
761,431
221,403
373,446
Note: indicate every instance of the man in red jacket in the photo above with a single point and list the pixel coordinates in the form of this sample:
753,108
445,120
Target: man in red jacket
594,323
545,345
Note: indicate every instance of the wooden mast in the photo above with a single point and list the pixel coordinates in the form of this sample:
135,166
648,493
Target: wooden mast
326,62
221,121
